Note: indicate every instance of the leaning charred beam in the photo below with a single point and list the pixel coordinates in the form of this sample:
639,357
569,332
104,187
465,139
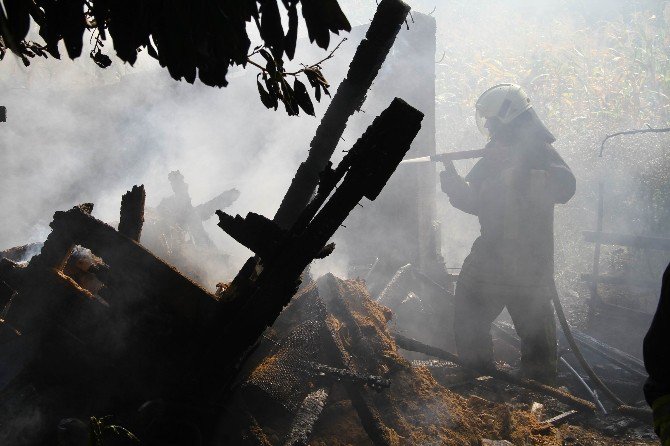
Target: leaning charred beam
258,294
350,95
132,264
132,213
379,433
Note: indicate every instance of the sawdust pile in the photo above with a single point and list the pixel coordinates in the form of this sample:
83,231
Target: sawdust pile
416,406
336,323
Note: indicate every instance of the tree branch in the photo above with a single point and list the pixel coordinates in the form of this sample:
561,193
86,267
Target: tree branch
302,70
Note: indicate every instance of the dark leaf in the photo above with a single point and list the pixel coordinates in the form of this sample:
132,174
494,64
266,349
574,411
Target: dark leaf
288,97
311,77
266,98
302,97
292,34
72,26
272,31
272,88
18,17
319,77
315,77
271,64
266,55
321,18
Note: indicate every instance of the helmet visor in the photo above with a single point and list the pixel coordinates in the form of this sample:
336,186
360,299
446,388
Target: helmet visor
481,125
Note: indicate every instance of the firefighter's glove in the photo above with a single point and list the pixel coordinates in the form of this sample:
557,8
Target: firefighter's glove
449,168
661,408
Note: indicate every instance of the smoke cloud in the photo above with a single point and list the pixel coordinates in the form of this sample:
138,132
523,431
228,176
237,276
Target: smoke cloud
76,133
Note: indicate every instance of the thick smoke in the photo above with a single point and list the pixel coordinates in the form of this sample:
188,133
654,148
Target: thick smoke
76,133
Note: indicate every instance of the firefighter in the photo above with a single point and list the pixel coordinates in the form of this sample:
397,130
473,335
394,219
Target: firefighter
657,361
513,190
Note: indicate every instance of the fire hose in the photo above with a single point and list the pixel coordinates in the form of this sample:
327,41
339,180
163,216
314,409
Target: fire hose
640,413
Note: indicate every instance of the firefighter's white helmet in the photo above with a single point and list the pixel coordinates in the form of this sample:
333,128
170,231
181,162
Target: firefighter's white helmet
502,101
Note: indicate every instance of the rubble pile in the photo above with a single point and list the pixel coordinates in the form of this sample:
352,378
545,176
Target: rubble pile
122,333
426,402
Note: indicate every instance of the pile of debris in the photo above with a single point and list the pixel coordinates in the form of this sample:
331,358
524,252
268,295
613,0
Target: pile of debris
330,367
327,372
126,329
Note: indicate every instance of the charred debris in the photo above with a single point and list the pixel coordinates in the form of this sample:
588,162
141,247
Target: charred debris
99,322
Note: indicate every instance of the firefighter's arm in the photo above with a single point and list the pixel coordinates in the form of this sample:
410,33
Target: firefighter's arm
461,195
561,183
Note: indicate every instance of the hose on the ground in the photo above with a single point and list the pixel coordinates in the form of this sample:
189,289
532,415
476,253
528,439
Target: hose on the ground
637,412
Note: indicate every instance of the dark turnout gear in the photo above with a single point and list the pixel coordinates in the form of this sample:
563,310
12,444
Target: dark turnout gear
657,361
513,191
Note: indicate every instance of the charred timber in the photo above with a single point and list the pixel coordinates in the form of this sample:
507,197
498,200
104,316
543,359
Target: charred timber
132,213
129,261
97,353
349,98
262,289
371,420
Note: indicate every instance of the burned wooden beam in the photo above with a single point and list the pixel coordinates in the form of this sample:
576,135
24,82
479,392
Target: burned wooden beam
258,299
371,419
256,232
132,213
350,95
128,261
620,358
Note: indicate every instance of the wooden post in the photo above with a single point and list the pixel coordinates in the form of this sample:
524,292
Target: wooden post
350,95
260,291
132,213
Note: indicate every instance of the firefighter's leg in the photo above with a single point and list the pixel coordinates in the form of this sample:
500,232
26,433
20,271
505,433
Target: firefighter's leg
533,318
474,311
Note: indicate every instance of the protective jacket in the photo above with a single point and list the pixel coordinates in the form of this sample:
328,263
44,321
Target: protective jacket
513,191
